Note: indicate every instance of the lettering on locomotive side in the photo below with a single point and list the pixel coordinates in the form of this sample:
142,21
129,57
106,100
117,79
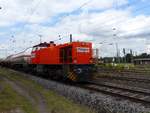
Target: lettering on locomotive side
83,50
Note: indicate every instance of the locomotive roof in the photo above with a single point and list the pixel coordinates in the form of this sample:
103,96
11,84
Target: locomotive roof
45,44
67,44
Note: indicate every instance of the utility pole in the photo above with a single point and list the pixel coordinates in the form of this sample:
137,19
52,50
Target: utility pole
131,52
124,52
117,49
40,38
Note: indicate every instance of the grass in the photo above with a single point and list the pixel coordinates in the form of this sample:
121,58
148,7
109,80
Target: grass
10,100
55,102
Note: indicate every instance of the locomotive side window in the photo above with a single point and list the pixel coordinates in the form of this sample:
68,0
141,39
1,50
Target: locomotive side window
38,48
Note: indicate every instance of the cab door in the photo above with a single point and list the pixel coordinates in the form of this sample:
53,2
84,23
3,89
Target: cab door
66,55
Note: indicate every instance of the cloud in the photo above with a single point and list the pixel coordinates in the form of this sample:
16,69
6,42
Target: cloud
87,20
37,11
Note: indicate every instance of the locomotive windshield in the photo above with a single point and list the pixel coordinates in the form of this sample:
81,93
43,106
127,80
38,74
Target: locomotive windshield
40,46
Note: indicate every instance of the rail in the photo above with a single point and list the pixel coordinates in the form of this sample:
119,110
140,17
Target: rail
136,94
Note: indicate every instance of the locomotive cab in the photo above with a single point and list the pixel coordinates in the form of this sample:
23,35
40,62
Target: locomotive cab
77,60
76,53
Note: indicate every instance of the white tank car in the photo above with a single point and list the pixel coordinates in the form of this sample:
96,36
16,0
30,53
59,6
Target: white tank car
18,59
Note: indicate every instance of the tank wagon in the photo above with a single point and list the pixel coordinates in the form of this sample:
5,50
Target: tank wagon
72,61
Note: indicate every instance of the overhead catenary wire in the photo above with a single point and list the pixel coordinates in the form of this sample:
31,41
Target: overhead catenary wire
115,23
22,51
79,8
69,14
29,17
27,20
106,24
130,30
33,11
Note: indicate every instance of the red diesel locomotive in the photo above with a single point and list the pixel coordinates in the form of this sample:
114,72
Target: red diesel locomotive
71,61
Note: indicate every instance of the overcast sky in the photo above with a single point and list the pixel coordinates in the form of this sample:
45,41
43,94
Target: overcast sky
22,21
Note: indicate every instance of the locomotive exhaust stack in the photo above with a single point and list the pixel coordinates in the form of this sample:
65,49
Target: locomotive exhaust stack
70,38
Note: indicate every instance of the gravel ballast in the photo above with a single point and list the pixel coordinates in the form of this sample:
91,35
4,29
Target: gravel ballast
98,101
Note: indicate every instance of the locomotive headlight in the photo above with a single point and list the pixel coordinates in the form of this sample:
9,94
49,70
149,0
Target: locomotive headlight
79,70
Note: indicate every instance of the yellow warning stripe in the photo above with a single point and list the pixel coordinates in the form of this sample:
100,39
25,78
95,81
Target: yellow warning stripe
72,76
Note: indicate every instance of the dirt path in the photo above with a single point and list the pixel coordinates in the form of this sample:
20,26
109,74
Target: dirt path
35,97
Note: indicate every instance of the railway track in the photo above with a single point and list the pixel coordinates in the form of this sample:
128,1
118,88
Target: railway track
127,79
127,70
130,93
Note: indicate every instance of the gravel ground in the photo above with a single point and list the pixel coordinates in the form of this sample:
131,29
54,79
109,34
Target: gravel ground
102,103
